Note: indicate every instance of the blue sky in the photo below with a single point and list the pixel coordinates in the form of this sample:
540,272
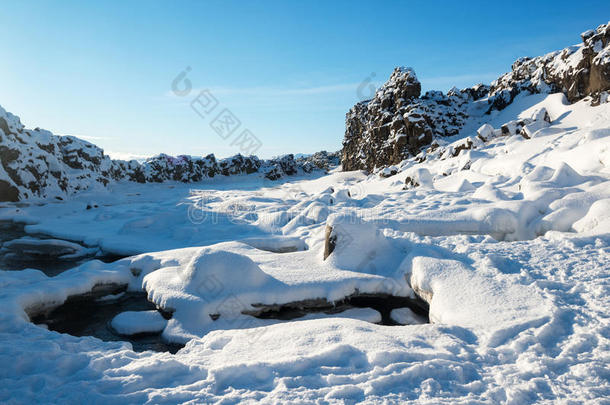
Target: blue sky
288,70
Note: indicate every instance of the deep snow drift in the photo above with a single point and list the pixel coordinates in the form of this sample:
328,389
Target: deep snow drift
507,240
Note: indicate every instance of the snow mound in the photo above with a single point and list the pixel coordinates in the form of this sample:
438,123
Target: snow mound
224,267
134,322
405,316
597,218
459,296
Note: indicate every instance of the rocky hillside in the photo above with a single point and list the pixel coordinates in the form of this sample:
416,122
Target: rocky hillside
322,160
399,122
36,163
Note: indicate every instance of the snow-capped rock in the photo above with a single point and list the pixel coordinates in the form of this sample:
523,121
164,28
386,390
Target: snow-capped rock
36,163
578,71
322,160
397,123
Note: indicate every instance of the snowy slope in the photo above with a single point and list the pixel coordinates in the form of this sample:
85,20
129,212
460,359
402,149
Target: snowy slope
507,240
499,228
398,123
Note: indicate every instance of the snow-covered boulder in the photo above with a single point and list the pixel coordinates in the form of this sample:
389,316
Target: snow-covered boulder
485,132
418,177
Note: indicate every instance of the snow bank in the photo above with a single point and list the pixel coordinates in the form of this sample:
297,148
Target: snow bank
459,296
506,239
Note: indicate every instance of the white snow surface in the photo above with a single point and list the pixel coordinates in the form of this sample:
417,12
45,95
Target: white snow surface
405,316
134,322
508,242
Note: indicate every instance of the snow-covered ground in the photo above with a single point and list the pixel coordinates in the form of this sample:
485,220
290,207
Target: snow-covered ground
508,242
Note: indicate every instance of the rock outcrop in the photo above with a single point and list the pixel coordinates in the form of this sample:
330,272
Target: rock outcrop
577,71
322,160
398,123
36,163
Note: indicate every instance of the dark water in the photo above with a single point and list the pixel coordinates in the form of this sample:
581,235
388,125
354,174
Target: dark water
51,265
90,317
87,316
84,315
382,303
10,230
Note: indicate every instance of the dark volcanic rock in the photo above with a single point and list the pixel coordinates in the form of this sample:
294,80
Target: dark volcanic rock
36,163
577,71
321,160
397,122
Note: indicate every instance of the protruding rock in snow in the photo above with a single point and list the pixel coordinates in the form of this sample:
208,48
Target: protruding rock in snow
514,127
542,115
330,241
388,171
485,132
540,119
342,194
418,177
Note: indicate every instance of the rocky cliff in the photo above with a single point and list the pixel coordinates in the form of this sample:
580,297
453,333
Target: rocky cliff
36,163
398,122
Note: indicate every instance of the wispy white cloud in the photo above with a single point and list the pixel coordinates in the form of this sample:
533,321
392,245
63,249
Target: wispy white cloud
273,91
437,82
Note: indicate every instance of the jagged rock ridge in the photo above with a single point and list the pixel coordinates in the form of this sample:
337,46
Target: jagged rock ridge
397,123
36,163
577,71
